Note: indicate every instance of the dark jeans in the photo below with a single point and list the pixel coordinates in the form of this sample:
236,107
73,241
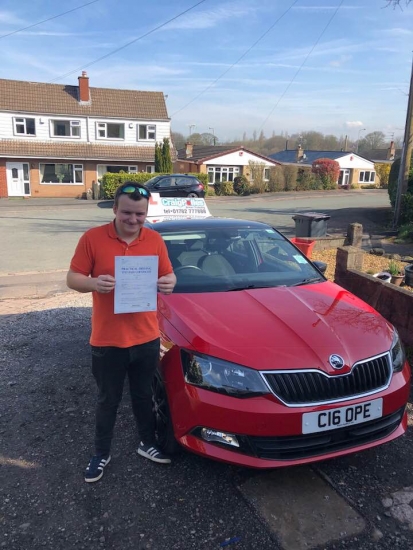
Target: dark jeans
110,366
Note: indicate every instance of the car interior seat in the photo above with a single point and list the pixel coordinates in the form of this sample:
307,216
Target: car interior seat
194,251
215,263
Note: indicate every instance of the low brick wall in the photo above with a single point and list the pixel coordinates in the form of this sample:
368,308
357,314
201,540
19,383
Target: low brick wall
394,303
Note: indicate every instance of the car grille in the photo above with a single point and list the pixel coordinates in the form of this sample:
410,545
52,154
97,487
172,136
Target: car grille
306,446
312,387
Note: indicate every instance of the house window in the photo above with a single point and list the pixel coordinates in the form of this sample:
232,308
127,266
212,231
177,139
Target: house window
146,132
24,126
65,128
103,169
367,176
217,174
266,174
150,169
61,173
110,130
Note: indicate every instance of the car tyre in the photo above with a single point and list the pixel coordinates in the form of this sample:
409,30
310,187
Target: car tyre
192,195
163,422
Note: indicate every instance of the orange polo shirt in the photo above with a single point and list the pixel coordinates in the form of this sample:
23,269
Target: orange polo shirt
94,256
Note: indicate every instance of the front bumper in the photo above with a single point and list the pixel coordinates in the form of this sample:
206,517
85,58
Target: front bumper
270,433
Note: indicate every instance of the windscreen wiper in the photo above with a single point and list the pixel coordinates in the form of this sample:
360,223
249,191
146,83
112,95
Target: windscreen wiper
309,281
249,287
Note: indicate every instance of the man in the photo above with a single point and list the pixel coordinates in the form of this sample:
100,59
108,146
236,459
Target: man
126,343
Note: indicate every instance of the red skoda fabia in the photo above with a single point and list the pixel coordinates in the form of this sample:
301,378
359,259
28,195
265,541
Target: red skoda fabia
264,362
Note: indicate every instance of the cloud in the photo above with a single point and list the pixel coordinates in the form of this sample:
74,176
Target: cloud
8,18
354,124
324,8
397,31
211,18
338,62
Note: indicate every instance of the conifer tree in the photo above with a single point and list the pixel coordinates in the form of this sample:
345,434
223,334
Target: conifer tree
166,156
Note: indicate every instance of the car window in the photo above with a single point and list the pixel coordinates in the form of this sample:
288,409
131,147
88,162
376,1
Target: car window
217,260
166,182
183,181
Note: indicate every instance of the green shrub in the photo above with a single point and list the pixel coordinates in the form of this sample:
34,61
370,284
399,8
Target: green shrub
110,182
224,188
290,177
393,179
276,182
406,209
241,185
305,179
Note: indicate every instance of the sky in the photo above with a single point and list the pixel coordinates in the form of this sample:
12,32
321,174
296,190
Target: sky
227,67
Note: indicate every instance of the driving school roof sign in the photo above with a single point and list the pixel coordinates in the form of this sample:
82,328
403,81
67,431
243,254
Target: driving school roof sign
176,208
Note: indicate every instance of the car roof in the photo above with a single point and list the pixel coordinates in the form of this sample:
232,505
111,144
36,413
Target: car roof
207,223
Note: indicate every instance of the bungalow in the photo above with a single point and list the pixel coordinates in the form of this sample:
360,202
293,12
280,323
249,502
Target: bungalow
354,169
221,162
57,140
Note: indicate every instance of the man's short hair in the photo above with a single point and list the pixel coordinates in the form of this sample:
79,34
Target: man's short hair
135,191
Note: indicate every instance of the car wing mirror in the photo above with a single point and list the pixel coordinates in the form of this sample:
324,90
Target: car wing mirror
321,266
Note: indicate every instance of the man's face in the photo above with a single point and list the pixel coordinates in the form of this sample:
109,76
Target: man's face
130,215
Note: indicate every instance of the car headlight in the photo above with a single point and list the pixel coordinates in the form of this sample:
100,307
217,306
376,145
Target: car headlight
398,356
220,376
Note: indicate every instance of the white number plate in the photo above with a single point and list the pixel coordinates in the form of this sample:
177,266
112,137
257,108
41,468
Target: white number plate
332,419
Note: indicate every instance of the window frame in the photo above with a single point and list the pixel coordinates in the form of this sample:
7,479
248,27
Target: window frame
147,132
104,126
371,177
228,171
16,122
76,169
73,123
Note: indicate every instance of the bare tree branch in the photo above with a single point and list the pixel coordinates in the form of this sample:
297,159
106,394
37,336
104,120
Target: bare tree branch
397,3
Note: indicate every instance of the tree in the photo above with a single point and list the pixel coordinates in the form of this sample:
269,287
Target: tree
166,156
178,140
158,158
374,140
396,3
327,171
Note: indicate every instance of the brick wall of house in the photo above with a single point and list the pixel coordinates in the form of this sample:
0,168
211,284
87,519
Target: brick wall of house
3,180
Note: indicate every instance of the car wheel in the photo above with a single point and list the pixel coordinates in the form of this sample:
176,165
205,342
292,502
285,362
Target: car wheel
192,195
163,423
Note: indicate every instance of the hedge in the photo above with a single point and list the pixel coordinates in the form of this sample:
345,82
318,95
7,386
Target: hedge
110,182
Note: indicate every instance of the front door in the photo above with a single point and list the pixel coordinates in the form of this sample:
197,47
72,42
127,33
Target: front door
18,179
344,177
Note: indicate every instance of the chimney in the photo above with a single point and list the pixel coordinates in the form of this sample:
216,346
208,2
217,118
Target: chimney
391,151
346,143
299,154
188,149
84,93
286,144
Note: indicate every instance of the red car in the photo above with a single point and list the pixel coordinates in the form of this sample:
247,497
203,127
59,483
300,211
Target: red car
264,362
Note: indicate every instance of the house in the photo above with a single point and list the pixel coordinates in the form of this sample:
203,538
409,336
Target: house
57,140
354,169
383,156
221,162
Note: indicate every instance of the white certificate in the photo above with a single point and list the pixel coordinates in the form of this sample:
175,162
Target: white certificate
136,283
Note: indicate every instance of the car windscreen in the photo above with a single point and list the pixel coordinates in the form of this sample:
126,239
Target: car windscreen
220,259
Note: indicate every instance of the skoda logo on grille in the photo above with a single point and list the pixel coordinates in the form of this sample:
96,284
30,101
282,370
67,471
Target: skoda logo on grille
336,361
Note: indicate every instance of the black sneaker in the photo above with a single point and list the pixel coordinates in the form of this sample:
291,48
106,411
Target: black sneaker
151,452
94,471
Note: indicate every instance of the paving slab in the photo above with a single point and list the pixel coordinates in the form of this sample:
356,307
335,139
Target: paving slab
301,509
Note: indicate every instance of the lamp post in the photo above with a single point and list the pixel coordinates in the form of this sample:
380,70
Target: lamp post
213,133
358,139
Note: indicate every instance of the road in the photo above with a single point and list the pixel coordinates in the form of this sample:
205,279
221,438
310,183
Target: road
40,235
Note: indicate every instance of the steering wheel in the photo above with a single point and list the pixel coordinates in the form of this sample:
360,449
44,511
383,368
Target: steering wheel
182,267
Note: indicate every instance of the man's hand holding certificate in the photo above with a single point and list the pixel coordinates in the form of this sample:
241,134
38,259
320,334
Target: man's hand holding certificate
136,283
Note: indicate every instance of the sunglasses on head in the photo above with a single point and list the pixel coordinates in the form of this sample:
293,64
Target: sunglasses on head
134,188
